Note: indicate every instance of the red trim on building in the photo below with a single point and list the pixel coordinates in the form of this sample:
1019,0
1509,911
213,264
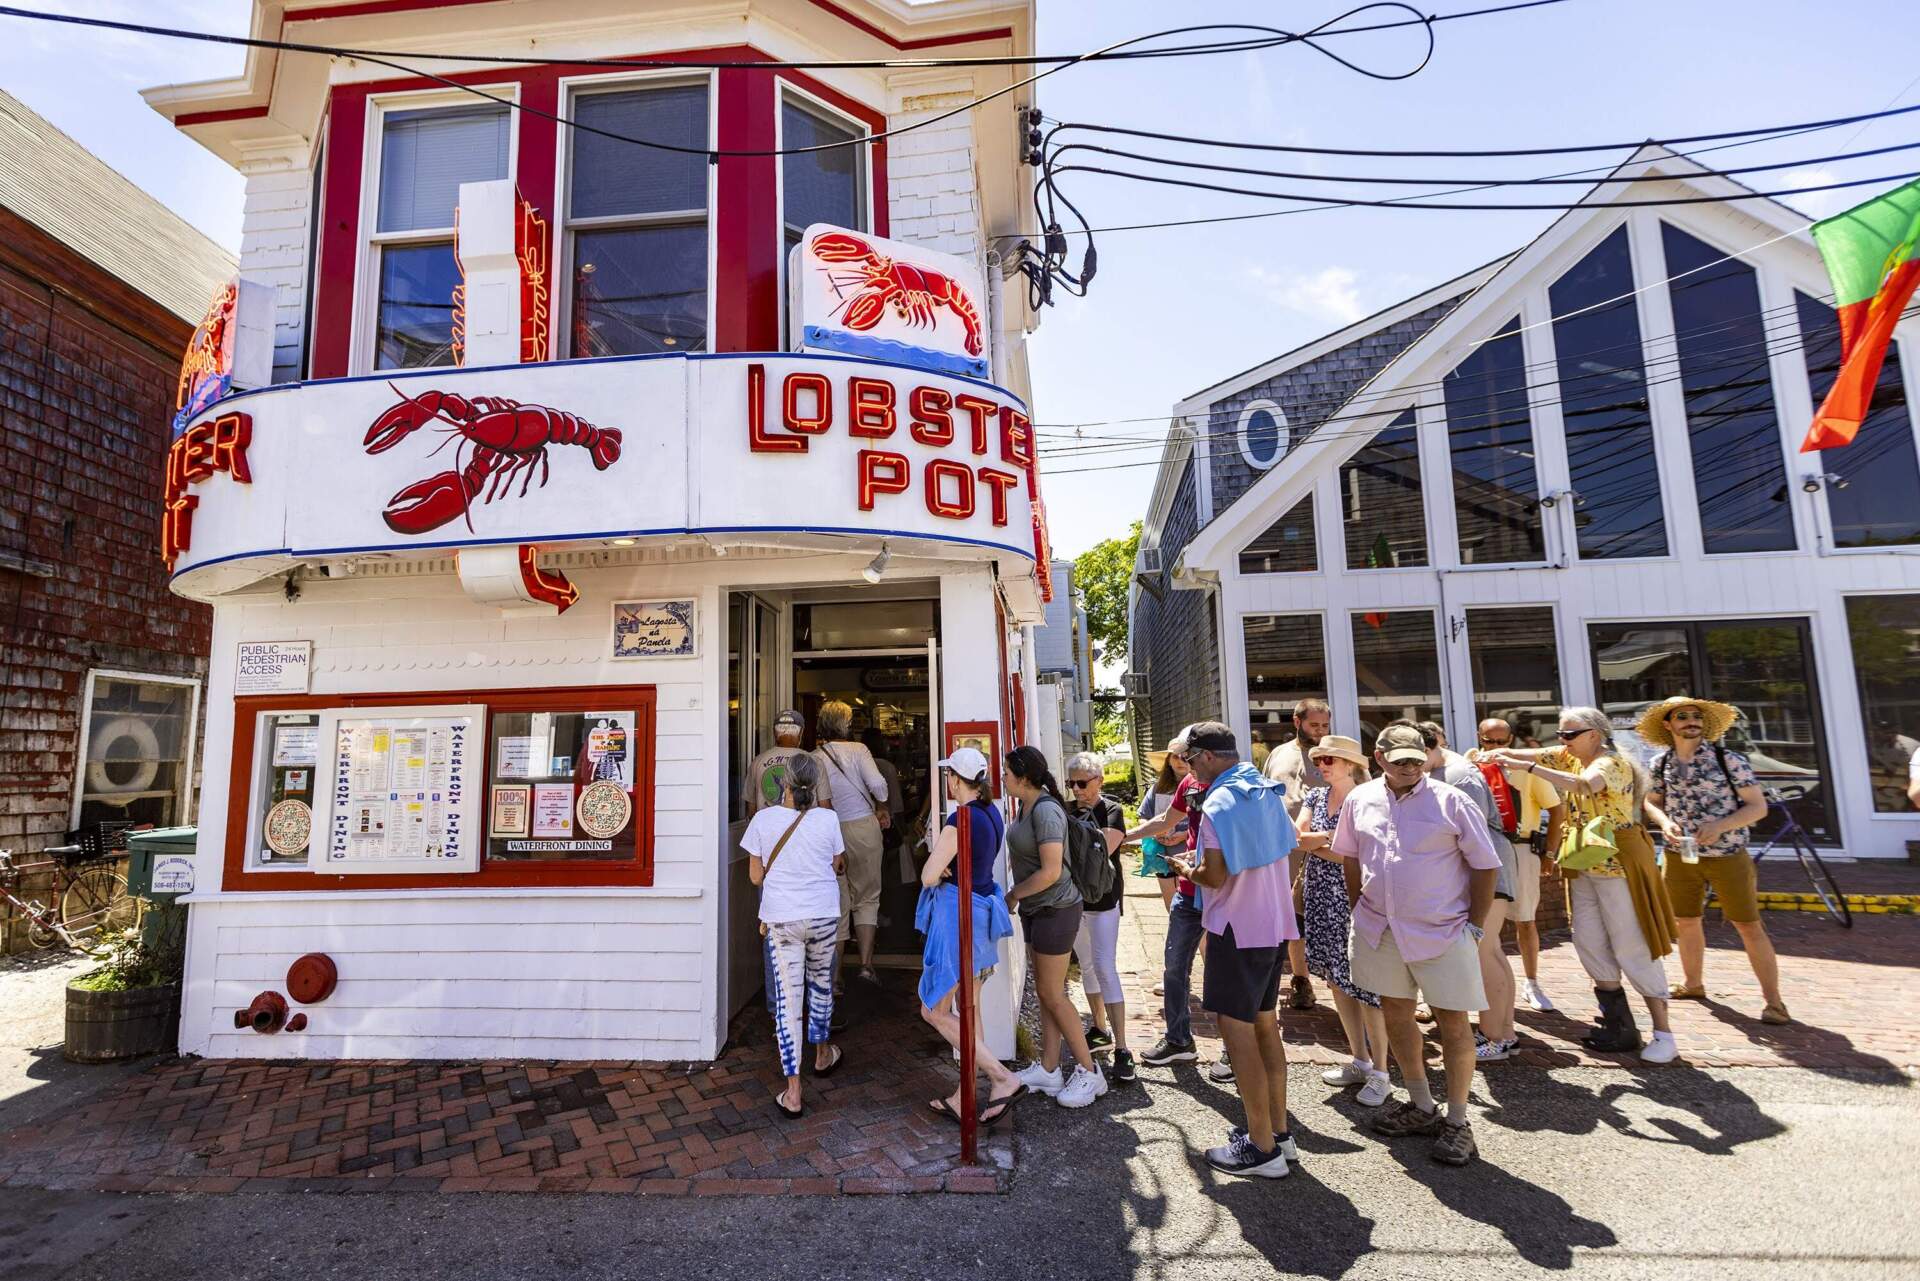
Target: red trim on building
744,223
929,42
370,7
493,873
187,120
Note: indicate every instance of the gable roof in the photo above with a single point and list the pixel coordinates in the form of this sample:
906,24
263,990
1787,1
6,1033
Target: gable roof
51,181
1497,294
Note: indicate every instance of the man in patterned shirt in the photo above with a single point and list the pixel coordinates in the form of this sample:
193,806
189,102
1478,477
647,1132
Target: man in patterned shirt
1703,791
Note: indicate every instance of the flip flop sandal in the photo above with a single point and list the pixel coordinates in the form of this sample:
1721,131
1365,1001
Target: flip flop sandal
792,1114
998,1108
839,1057
939,1108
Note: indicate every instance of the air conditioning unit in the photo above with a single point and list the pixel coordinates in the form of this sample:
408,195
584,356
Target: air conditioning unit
1135,683
1149,562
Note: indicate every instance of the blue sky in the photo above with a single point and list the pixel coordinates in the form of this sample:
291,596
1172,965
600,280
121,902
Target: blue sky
1174,310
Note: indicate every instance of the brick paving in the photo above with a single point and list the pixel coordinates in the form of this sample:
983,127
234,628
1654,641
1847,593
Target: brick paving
688,1129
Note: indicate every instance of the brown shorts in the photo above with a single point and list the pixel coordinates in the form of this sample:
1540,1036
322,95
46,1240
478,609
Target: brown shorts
1732,877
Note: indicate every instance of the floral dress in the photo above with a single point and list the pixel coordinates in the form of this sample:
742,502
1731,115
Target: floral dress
1328,916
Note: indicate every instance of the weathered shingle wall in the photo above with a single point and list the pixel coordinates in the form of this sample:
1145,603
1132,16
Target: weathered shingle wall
1173,636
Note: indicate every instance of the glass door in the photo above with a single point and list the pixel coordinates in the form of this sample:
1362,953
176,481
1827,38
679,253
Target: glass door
1763,666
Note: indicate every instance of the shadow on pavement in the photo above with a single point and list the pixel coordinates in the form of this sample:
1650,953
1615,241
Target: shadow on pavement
1727,1116
1540,1225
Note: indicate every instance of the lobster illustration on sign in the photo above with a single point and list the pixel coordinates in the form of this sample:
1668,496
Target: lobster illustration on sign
506,436
912,292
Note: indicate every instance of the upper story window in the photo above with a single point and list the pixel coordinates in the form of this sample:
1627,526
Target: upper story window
636,222
1875,502
1263,434
1380,507
819,186
1287,546
425,154
1603,403
1496,487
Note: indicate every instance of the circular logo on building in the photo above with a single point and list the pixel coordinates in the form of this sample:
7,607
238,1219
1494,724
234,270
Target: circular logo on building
603,808
289,827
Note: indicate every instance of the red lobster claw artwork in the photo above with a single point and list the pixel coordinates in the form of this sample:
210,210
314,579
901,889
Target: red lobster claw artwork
912,292
506,437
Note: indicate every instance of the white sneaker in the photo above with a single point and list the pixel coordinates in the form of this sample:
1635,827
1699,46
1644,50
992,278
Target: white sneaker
1376,1091
1288,1148
1661,1048
1041,1081
1241,1157
1536,995
1221,1071
1493,1051
1083,1088
1349,1073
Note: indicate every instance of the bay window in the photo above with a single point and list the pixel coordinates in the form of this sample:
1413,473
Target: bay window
636,221
425,154
819,186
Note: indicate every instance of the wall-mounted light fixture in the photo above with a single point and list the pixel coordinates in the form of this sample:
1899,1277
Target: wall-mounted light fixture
877,567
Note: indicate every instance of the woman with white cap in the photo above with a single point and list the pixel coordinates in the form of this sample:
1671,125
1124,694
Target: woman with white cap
938,918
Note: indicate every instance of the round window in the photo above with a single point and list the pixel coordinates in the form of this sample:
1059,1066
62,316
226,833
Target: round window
1263,434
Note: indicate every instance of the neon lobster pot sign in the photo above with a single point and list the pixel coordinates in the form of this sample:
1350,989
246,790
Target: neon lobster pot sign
863,295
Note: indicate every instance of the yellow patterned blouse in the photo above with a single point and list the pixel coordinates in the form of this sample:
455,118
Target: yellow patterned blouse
1615,803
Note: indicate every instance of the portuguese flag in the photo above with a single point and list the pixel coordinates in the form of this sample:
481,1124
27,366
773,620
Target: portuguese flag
1871,257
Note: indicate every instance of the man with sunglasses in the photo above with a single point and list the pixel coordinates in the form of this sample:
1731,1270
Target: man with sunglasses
1703,798
1100,920
1538,801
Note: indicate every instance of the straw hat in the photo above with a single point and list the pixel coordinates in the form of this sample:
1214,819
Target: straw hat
1338,745
1653,722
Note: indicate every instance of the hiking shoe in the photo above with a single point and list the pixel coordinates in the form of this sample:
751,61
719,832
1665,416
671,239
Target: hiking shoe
1098,1038
1123,1072
1775,1013
1165,1052
1376,1091
1408,1118
1537,996
1041,1081
1455,1145
1493,1051
1222,1072
1349,1073
1302,997
1081,1089
1285,1143
1239,1156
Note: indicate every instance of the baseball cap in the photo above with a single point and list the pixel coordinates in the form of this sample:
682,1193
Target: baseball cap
790,717
1210,736
969,763
1401,743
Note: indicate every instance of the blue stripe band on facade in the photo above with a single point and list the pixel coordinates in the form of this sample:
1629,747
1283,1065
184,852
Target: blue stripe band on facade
894,352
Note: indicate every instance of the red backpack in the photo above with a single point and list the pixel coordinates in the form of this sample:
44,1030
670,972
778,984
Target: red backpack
1503,796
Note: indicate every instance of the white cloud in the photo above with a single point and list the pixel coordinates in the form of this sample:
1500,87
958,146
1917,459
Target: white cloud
1330,294
1817,204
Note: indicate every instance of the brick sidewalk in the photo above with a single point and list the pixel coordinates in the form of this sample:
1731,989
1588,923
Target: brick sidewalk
202,1125
1854,993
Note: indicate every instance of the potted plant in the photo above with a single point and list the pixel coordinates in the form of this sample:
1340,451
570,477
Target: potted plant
129,1004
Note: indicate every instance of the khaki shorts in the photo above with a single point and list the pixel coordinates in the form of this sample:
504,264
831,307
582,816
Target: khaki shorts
865,845
1526,883
1732,877
1450,981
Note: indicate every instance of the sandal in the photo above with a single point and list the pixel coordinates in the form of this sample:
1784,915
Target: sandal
939,1108
997,1108
1681,992
839,1057
792,1114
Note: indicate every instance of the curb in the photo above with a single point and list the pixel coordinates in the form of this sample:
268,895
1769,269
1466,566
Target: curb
1869,904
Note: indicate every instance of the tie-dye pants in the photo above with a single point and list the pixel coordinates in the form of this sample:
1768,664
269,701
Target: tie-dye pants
800,956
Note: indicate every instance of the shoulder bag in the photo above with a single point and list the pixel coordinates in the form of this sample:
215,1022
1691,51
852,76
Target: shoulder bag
1589,844
775,853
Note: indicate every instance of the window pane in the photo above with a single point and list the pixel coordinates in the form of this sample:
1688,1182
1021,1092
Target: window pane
1286,662
891,624
414,326
1287,547
1603,398
135,752
1879,504
1381,510
640,289
1765,668
1495,489
611,177
819,186
540,764
1516,671
1886,660
1738,475
288,751
426,155
1397,665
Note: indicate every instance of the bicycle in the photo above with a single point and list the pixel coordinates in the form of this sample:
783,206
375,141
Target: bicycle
1796,837
88,896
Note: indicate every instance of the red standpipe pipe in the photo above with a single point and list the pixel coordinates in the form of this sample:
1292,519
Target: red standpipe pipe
969,1107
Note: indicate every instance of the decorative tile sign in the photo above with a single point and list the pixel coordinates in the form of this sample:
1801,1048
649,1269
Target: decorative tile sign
654,629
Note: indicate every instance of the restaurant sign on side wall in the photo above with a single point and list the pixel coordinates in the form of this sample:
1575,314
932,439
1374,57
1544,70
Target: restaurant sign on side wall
865,295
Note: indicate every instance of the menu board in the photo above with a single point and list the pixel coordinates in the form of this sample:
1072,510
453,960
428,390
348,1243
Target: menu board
401,789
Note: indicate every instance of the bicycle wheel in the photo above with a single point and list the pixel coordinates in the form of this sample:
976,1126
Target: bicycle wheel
1823,883
97,899
41,935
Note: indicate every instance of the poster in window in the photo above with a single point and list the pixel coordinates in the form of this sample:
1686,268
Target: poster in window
513,756
401,789
509,809
610,748
553,810
296,745
604,808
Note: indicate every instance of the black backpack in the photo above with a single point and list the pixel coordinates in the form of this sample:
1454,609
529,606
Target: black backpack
1719,754
1087,859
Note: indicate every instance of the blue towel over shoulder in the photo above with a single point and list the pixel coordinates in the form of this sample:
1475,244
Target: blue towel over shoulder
938,918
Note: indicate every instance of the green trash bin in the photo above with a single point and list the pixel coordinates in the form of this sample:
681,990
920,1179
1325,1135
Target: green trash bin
160,869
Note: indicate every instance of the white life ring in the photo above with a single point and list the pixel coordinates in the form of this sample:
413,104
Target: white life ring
99,783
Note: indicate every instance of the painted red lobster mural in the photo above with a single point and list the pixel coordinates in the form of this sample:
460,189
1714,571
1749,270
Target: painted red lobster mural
912,292
506,437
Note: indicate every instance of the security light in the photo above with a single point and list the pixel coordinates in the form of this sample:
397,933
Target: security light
877,567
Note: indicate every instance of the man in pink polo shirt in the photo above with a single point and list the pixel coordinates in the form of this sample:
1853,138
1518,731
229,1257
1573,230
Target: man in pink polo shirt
1420,875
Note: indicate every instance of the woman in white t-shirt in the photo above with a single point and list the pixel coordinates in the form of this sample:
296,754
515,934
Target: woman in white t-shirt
796,857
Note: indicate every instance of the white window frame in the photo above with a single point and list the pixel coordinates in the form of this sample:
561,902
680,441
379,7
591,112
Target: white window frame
813,104
366,300
572,88
183,797
1247,412
1337,536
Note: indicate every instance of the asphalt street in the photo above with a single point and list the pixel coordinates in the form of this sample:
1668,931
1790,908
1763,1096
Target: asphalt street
1777,1172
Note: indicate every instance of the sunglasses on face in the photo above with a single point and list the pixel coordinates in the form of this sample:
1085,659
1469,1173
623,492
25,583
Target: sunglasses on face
1677,717
1487,740
1568,735
1082,782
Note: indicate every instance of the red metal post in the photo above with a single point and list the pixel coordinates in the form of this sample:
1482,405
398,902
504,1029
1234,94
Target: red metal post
963,874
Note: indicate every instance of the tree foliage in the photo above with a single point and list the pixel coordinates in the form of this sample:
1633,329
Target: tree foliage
1102,573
